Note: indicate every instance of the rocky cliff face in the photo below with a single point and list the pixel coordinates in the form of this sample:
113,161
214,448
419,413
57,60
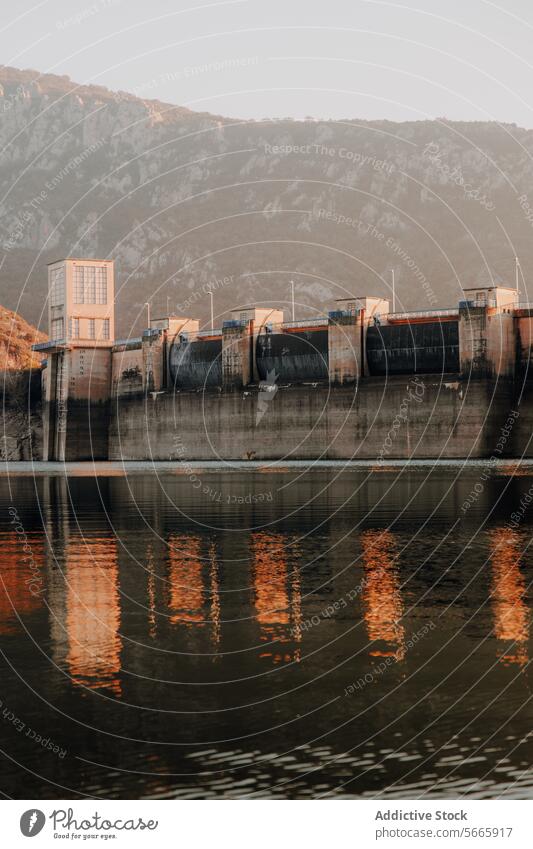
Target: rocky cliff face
16,340
22,427
188,202
20,382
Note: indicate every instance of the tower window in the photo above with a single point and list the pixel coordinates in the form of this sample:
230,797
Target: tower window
57,287
57,328
105,328
90,284
92,328
74,328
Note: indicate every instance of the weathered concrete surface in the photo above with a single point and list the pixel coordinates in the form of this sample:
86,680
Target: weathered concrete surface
487,342
296,356
522,442
419,417
127,371
345,356
88,430
417,348
237,356
22,428
76,405
196,365
524,345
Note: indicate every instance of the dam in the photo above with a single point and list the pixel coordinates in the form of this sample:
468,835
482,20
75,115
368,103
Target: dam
358,383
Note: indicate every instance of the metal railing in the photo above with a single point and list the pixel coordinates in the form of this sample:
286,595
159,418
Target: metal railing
133,340
335,314
312,322
201,333
478,302
400,316
52,343
236,322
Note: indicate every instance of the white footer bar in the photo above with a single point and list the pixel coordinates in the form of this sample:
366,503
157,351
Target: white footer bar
268,824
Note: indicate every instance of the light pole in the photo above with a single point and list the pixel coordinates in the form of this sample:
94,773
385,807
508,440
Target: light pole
393,292
212,313
292,298
147,305
168,305
516,271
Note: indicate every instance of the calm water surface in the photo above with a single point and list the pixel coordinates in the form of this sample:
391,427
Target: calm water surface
264,633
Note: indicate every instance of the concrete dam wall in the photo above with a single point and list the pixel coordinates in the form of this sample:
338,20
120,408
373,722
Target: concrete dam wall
359,383
446,388
419,417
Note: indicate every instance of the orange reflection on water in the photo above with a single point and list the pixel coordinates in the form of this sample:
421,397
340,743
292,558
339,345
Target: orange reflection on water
296,610
215,597
511,614
152,621
21,578
382,593
93,612
275,610
186,587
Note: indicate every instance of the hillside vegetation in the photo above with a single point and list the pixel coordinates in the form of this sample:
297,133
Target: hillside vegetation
16,339
187,202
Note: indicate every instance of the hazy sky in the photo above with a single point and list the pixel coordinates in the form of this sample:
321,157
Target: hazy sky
468,60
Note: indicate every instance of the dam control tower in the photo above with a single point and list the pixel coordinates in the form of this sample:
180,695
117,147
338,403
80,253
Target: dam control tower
77,379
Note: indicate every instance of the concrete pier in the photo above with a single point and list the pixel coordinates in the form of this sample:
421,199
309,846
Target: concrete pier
77,377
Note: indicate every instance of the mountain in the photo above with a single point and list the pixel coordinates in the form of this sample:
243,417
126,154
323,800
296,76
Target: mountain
186,202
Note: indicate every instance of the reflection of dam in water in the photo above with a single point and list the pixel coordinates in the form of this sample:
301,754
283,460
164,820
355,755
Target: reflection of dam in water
170,625
187,596
85,611
508,589
382,598
22,573
276,595
177,584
